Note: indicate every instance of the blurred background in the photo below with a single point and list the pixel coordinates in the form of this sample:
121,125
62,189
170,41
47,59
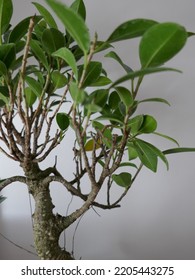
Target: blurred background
157,217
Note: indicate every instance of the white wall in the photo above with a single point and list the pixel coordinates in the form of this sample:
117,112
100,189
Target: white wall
156,220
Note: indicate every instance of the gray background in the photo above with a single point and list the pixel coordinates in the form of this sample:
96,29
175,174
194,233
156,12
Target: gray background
156,220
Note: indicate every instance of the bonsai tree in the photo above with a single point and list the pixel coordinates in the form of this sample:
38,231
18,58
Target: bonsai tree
51,79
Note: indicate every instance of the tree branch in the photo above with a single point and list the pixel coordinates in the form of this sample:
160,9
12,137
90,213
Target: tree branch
4,183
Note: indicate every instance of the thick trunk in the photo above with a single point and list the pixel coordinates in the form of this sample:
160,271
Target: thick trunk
47,226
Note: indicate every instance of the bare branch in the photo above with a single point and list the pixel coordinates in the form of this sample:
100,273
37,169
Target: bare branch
23,70
76,192
8,181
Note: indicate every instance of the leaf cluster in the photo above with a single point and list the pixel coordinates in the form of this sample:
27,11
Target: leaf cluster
41,68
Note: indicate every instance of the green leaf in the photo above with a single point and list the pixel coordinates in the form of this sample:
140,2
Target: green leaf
149,125
132,153
147,156
178,150
52,40
34,85
135,124
78,95
99,97
93,72
4,95
114,100
8,54
167,137
93,108
101,82
158,153
142,73
46,15
130,29
160,43
125,96
39,29
102,45
124,164
62,121
3,69
111,118
39,53
30,96
156,99
67,56
59,80
6,11
119,60
123,179
73,23
21,29
79,7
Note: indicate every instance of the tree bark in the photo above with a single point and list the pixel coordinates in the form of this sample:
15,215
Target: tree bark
47,226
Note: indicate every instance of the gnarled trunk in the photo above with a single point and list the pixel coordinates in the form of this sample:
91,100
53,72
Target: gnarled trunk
47,226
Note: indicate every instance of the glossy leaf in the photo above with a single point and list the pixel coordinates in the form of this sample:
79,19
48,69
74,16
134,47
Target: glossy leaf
73,23
125,96
130,29
78,95
62,121
142,73
30,96
149,125
39,53
101,82
46,15
119,60
158,153
93,108
167,137
135,123
123,179
132,153
21,29
102,45
126,164
8,54
79,7
34,85
111,118
156,99
52,40
114,100
67,56
99,97
93,72
3,69
39,29
178,150
59,80
147,156
6,11
160,43
4,95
